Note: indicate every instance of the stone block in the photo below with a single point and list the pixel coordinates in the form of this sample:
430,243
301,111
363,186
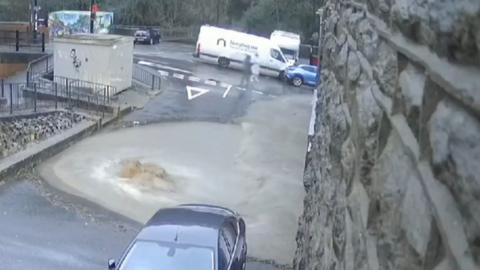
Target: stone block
416,216
369,112
385,69
359,203
367,39
412,85
341,62
353,66
454,140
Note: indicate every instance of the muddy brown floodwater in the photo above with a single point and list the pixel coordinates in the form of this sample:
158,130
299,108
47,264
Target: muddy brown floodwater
253,166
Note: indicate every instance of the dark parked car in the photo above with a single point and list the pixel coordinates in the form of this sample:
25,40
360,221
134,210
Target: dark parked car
193,236
147,36
302,74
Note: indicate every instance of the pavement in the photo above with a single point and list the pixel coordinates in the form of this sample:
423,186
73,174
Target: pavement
219,141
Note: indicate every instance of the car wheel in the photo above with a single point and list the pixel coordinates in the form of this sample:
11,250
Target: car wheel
297,81
281,75
223,62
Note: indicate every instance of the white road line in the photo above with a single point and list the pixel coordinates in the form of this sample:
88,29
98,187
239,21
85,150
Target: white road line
212,83
226,85
257,92
194,79
163,73
227,91
146,63
241,89
178,76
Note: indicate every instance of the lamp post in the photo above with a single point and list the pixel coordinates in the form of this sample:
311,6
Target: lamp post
93,13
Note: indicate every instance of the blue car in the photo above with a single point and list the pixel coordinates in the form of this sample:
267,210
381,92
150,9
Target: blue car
302,74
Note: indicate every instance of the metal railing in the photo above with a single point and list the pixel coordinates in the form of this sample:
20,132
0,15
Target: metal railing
188,33
146,77
39,67
21,39
44,94
14,99
81,87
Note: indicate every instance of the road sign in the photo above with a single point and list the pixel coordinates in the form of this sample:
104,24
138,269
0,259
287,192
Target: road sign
194,92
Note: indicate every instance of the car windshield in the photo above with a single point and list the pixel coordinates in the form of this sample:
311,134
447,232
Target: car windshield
288,53
151,255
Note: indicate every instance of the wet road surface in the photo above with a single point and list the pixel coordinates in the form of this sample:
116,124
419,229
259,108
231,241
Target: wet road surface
43,228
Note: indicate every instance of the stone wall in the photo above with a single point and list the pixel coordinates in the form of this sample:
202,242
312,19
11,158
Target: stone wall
16,133
393,175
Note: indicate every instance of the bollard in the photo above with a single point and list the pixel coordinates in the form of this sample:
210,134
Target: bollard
3,88
153,82
46,66
56,96
28,77
103,109
11,99
67,93
34,97
17,41
107,90
43,42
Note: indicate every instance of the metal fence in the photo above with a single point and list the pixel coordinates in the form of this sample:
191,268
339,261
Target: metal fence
21,39
146,77
35,96
188,33
14,99
85,87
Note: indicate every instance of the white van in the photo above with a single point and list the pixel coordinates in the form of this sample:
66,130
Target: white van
229,48
289,43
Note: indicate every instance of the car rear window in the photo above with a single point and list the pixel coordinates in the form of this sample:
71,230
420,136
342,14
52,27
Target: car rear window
140,33
150,255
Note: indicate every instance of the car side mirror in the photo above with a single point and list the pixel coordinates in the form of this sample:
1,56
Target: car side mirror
111,264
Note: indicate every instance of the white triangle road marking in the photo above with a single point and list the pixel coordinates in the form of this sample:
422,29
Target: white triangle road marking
198,92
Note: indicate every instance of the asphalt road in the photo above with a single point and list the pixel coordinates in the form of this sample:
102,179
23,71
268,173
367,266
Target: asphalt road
224,98
43,228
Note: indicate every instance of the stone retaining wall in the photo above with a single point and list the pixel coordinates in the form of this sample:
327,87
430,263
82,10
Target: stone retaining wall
16,133
393,176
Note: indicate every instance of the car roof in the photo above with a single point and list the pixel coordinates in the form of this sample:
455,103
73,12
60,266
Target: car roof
187,224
